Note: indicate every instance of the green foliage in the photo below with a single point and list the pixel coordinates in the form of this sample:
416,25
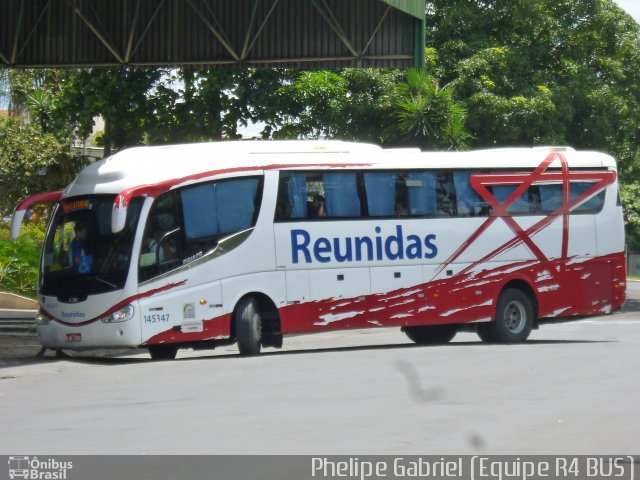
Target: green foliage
198,111
39,103
498,74
351,104
19,259
160,106
120,96
545,72
96,139
315,101
33,92
427,116
630,198
28,159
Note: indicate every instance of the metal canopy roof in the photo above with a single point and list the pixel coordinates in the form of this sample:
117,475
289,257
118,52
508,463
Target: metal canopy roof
302,33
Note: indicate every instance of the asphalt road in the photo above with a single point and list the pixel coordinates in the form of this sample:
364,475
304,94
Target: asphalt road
571,389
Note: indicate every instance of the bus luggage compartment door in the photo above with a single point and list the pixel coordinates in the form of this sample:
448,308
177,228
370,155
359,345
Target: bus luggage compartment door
596,287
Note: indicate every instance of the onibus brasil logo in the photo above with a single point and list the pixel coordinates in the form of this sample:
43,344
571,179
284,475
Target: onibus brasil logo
37,469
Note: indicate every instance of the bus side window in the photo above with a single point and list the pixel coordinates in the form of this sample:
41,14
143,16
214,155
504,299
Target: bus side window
421,188
408,193
468,202
341,198
528,202
550,197
593,205
317,194
219,208
382,193
160,247
292,196
445,195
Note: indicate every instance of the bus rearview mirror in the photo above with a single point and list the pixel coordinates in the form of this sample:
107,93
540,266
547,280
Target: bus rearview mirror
118,216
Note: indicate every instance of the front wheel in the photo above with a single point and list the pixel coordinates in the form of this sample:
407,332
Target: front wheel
431,334
514,319
248,327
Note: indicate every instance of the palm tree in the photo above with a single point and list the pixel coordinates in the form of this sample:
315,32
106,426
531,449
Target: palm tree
39,102
426,115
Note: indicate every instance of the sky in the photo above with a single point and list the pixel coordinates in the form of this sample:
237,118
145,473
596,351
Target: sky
632,7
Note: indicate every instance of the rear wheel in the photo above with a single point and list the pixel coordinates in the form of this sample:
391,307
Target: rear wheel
431,334
514,319
163,352
248,327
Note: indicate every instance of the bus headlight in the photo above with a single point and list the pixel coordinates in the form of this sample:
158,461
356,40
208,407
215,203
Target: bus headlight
41,318
121,315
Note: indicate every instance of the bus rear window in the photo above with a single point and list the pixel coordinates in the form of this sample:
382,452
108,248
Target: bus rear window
551,197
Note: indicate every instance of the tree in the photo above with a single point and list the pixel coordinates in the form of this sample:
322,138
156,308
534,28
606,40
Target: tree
120,96
351,104
540,71
193,105
30,93
373,105
30,158
425,115
545,72
210,103
159,106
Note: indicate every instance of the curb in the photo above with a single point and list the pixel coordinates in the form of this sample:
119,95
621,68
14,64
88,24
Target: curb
15,314
11,301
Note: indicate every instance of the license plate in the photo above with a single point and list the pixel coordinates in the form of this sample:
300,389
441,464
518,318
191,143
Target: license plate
73,337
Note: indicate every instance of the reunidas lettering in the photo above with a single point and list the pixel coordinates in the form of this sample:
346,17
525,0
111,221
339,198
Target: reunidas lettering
357,249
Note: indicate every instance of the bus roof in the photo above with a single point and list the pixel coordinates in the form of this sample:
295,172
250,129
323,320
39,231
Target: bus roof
178,164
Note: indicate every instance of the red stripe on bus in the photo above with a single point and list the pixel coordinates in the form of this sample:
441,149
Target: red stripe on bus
462,298
156,189
117,306
44,197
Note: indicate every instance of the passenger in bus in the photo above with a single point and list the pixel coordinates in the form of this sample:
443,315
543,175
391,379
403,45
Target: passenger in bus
79,246
316,208
151,246
401,207
161,224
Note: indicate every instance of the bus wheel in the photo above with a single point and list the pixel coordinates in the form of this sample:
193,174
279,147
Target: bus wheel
248,327
514,319
163,352
431,334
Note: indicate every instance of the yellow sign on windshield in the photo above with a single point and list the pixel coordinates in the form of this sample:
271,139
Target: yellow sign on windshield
76,205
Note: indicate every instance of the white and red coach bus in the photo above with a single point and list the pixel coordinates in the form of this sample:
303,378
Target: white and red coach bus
192,246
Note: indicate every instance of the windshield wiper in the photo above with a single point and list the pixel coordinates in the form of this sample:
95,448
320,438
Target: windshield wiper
106,282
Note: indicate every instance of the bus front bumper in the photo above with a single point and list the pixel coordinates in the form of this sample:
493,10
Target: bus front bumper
94,335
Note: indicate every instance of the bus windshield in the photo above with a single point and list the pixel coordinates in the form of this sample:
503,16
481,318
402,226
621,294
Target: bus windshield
81,254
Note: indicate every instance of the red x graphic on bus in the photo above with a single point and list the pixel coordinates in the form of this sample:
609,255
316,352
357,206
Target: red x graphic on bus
481,183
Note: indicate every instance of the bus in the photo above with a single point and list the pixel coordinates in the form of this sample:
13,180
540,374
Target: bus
201,245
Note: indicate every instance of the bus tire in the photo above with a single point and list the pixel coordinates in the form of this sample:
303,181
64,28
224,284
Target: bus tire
248,327
431,334
514,318
163,352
